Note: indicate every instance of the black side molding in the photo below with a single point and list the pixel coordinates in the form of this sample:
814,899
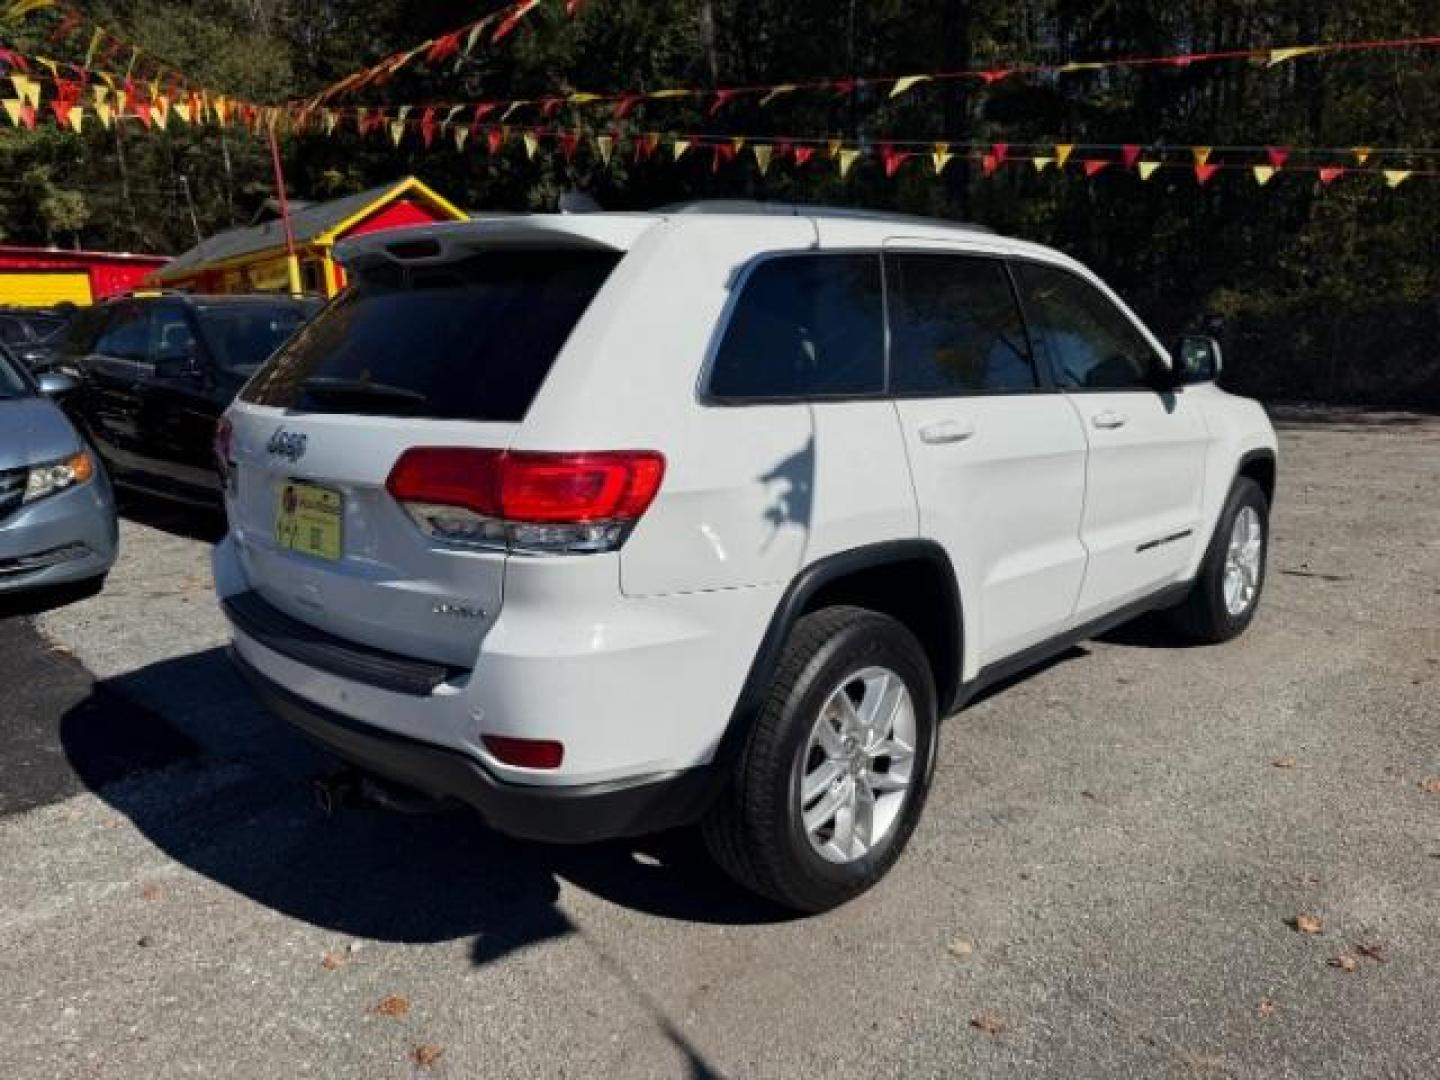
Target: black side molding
278,632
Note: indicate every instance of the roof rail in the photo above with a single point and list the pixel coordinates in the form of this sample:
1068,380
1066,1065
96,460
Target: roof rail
783,209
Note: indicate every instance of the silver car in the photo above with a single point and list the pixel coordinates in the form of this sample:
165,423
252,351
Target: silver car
57,512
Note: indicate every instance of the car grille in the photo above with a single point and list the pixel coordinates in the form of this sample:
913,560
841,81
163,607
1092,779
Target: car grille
12,489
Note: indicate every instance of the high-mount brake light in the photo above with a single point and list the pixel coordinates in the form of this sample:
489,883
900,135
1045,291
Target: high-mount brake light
540,503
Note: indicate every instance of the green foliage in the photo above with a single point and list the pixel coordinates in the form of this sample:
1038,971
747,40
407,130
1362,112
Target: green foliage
1316,291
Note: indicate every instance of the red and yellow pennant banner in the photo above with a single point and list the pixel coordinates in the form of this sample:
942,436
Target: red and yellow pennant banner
455,44
883,87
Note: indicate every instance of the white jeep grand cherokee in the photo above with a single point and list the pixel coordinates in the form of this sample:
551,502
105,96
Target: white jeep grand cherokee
608,523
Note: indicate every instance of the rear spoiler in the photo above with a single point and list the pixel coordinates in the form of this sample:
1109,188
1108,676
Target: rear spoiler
442,243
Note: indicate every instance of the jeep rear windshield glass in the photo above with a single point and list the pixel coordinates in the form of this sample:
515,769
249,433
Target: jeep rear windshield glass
466,340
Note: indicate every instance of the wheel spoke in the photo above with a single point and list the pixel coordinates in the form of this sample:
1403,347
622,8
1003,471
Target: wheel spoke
849,719
827,808
844,836
819,782
877,710
883,782
864,813
827,737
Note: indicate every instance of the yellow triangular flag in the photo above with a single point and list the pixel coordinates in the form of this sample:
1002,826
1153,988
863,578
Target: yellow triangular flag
661,95
1042,163
182,110
105,114
160,115
774,93
532,144
605,145
1202,154
833,147
329,119
1146,169
763,153
403,111
49,65
1279,56
1063,152
101,95
462,133
1362,154
1078,65
1393,177
906,83
397,131
1263,173
76,115
28,89
941,156
738,142
680,147
583,98
12,109
847,161
511,108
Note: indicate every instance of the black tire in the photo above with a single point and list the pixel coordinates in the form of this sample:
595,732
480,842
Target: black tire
755,831
1203,617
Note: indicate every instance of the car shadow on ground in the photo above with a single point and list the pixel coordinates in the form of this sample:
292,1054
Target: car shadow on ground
242,813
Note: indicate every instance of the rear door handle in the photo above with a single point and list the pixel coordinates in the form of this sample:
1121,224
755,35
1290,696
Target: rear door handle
1109,420
946,431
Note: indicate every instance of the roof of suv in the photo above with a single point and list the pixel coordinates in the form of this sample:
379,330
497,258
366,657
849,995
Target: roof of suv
208,299
620,230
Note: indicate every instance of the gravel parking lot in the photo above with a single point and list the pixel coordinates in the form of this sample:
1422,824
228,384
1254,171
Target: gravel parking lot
1106,883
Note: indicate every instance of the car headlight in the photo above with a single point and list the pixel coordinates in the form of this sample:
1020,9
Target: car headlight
56,476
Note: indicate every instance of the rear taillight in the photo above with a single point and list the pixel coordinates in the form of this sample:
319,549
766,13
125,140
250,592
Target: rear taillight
527,502
224,443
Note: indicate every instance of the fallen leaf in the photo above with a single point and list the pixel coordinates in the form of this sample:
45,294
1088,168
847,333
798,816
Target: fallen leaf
1308,924
1286,762
330,961
394,1005
1345,962
426,1054
1374,952
960,947
1430,785
151,892
1266,1007
989,1023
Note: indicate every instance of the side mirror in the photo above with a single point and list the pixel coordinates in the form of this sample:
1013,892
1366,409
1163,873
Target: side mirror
56,384
1197,359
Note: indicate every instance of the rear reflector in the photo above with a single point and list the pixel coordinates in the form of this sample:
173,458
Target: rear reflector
544,502
525,753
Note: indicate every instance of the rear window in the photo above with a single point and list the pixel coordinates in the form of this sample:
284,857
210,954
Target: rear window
242,336
468,340
804,326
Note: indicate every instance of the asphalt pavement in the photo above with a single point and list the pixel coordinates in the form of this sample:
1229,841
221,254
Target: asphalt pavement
1114,878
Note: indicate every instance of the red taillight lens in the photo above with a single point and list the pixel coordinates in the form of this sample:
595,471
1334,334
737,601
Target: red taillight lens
542,501
525,753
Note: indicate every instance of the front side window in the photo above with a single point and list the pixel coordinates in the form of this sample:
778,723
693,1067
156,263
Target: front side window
955,327
127,337
243,336
804,326
172,339
1091,343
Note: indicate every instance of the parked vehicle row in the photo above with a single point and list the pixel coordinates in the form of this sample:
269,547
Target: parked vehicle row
610,523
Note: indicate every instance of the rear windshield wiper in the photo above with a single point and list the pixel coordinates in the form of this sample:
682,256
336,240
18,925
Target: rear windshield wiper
333,386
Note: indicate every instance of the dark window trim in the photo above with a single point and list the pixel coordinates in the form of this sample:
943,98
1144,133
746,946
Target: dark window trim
1124,312
742,277
1043,383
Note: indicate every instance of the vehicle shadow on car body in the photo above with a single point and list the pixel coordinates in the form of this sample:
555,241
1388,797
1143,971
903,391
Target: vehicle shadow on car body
242,813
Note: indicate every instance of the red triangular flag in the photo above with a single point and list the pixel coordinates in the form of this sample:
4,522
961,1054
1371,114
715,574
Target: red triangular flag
568,141
722,98
1204,172
724,153
1000,150
549,106
1278,155
1331,172
893,159
495,139
444,47
988,164
625,104
1094,166
427,126
1130,153
803,154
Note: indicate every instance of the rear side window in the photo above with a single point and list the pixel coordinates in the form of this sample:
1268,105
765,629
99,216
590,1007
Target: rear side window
955,327
804,326
468,340
80,334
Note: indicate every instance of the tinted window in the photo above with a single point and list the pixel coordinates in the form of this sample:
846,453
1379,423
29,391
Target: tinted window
1090,342
127,337
469,340
955,327
80,333
804,326
12,382
242,336
44,329
12,331
172,337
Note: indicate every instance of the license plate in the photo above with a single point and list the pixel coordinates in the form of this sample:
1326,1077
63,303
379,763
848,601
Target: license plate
308,520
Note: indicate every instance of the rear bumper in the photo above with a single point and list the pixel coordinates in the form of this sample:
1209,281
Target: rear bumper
564,814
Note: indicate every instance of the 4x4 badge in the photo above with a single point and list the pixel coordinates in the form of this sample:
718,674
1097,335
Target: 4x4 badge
287,444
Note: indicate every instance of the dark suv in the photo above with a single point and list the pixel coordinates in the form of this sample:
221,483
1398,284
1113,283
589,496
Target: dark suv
157,370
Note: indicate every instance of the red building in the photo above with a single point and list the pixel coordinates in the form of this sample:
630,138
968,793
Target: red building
43,277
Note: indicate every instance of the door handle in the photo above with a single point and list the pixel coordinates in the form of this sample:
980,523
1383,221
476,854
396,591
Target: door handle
946,431
1109,420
